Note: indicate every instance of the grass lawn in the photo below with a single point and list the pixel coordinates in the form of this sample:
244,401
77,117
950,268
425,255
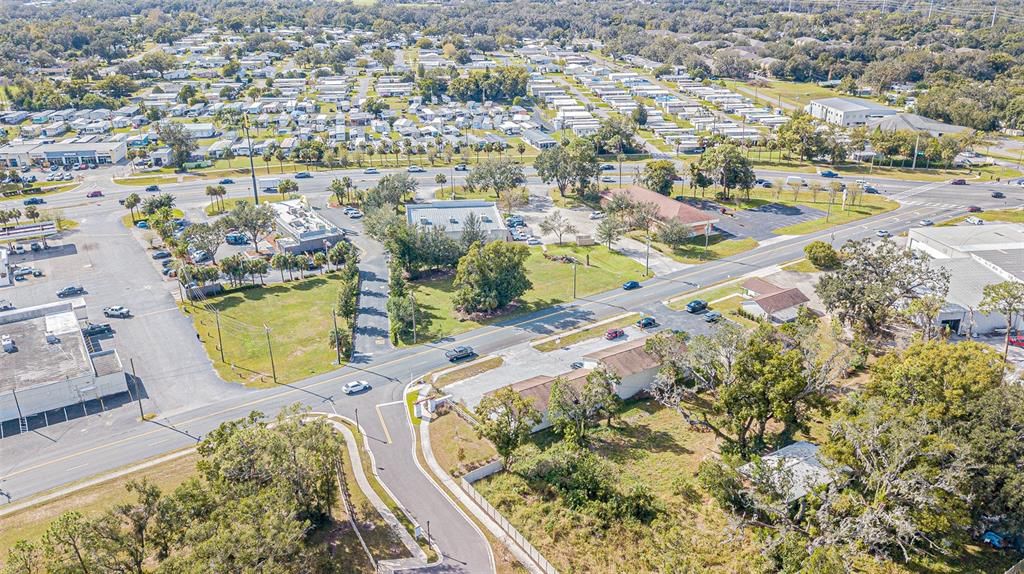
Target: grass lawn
872,205
231,202
298,314
445,193
31,523
148,180
468,371
586,334
776,162
692,251
552,284
127,220
456,445
801,266
793,93
996,215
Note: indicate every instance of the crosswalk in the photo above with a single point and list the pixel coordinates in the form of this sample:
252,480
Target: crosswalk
934,204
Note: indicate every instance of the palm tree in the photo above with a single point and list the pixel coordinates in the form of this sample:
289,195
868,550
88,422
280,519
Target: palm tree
16,215
32,213
267,156
281,262
320,260
279,155
131,202
521,148
5,217
228,156
211,192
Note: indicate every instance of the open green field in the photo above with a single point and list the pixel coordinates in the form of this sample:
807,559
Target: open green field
778,93
651,447
298,314
552,284
778,162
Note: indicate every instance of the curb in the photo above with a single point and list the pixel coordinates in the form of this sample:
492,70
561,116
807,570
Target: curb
536,342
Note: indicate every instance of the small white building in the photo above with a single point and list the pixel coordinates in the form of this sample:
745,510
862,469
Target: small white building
451,216
848,112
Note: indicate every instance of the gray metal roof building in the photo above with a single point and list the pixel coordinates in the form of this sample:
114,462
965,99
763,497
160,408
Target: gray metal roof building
451,216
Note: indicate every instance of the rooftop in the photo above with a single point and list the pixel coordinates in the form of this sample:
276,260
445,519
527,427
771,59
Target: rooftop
801,462
668,208
296,218
625,359
451,215
968,238
914,122
851,104
39,360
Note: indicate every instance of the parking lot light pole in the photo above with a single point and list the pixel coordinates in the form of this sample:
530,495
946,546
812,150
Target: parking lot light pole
357,420
270,350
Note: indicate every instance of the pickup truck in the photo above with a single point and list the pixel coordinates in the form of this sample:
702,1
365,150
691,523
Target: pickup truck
459,353
93,329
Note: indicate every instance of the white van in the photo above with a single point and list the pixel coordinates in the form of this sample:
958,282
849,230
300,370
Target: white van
796,180
974,221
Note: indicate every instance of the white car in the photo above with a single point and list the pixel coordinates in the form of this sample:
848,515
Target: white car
533,241
415,169
596,214
926,223
883,233
116,311
355,387
355,214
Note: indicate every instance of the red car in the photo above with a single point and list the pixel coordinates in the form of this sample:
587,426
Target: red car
973,209
96,193
612,334
1017,340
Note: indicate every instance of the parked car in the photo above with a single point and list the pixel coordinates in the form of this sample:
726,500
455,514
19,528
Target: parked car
117,311
696,306
226,181
883,233
70,291
6,305
630,285
973,209
95,193
646,322
533,241
958,182
355,214
93,329
998,194
200,256
34,201
596,214
828,173
355,387
162,254
926,223
236,239
461,167
21,272
370,171
612,334
303,175
712,317
415,169
459,353
142,224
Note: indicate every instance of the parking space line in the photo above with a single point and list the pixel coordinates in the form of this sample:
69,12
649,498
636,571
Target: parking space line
157,312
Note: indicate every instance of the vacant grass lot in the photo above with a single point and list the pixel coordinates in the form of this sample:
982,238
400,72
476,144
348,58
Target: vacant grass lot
31,523
456,445
792,93
298,315
552,284
651,447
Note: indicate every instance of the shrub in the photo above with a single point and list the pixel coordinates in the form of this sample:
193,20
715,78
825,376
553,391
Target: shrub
822,255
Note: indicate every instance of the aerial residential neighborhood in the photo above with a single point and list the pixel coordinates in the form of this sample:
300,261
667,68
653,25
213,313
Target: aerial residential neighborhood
489,287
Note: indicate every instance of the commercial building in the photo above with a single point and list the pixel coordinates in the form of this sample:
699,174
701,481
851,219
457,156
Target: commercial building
301,229
46,364
848,112
451,217
70,152
914,122
699,221
974,256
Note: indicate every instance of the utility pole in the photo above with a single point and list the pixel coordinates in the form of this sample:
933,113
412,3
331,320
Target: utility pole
270,350
135,382
220,341
413,299
913,164
337,339
358,428
993,24
252,167
574,280
930,5
647,271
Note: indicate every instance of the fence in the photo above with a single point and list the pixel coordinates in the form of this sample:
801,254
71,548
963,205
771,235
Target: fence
508,529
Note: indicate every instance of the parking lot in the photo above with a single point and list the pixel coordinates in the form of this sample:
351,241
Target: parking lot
759,223
157,341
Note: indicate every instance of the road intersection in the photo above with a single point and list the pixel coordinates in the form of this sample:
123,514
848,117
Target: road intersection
47,458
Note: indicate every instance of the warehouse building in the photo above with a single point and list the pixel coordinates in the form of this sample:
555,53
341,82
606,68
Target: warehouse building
46,363
69,152
848,112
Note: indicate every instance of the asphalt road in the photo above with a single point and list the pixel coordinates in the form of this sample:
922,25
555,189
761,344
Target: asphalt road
49,457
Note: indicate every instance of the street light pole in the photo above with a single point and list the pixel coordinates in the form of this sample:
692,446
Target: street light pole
270,350
220,341
574,280
252,167
337,339
647,271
